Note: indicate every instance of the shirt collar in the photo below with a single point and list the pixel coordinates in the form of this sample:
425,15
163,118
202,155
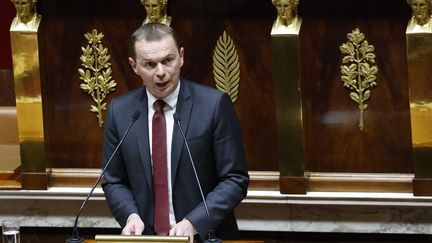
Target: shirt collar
171,99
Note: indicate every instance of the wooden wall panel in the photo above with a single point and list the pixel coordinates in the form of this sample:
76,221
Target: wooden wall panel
199,24
73,137
7,92
7,13
334,142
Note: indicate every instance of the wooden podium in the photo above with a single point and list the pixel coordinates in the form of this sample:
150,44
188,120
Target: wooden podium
140,238
153,239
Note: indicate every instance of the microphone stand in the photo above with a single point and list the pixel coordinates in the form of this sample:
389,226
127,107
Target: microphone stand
76,238
212,238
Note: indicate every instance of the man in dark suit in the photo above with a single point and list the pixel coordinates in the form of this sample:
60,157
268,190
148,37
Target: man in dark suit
212,130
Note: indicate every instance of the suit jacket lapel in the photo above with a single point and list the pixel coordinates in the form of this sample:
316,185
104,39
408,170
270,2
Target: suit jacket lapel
183,110
143,138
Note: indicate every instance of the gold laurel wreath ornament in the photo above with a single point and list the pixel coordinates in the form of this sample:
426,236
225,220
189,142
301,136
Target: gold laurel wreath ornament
359,73
96,74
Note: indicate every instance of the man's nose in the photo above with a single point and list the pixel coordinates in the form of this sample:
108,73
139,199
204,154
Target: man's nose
160,71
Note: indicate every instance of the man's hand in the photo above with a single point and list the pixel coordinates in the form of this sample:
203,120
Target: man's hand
184,228
134,225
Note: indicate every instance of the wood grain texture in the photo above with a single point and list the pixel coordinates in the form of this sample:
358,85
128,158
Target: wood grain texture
73,138
7,13
334,142
7,88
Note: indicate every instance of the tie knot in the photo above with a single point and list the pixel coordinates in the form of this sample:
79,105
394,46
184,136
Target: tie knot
159,105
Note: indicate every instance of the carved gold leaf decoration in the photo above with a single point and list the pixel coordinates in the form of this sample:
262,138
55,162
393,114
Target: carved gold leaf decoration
226,66
96,72
359,73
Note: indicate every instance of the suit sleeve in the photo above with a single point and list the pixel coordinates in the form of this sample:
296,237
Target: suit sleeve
115,182
231,169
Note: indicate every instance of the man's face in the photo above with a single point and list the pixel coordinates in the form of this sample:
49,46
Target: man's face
158,64
285,9
153,9
23,7
421,11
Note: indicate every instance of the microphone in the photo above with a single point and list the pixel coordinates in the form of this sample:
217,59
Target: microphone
211,233
76,238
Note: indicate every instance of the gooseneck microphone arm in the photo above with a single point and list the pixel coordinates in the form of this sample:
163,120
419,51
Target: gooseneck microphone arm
193,164
211,234
75,234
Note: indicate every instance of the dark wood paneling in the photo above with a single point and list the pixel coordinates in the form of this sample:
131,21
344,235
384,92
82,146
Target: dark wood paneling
199,25
7,13
334,142
293,185
422,187
360,182
7,90
72,134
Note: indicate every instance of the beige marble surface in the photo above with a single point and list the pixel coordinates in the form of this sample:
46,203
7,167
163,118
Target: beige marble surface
260,211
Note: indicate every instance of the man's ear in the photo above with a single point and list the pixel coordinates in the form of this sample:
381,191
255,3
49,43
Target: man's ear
133,64
181,55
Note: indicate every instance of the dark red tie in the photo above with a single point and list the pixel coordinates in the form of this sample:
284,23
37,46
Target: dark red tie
160,175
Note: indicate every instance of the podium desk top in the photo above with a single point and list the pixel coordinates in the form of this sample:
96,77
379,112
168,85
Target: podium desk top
225,241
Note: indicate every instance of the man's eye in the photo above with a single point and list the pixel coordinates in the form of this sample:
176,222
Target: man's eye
149,65
166,61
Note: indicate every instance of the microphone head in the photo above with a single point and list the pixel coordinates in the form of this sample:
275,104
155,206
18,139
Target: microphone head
176,117
136,115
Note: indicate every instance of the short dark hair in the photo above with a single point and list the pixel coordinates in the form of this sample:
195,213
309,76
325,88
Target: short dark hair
151,32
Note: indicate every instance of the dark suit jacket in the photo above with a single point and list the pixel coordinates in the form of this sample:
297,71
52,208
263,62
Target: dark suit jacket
213,133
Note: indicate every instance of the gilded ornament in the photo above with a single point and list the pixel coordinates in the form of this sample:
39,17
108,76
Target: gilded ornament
156,11
96,74
27,19
287,21
421,21
359,73
226,66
